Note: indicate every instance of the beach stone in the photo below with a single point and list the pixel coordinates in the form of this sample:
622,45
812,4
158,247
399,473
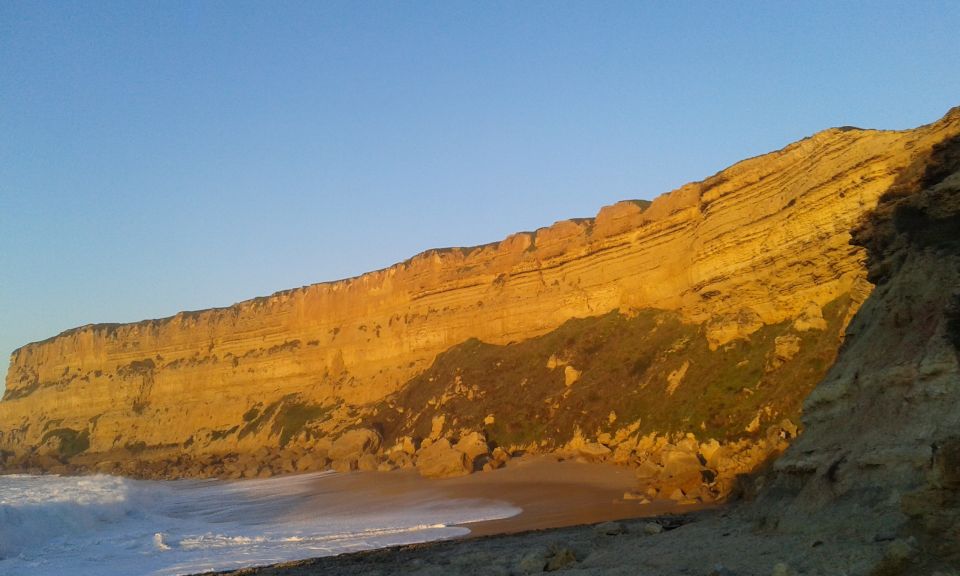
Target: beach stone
647,471
367,463
344,465
311,462
651,528
532,563
354,444
441,460
560,559
500,455
594,451
636,496
408,446
473,445
609,529
402,460
321,447
681,470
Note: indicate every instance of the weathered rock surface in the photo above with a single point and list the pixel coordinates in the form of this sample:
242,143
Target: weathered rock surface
881,451
762,244
441,460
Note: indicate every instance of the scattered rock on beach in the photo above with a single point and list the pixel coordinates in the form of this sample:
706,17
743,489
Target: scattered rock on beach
354,444
651,528
609,529
473,445
594,451
532,562
441,460
560,558
368,463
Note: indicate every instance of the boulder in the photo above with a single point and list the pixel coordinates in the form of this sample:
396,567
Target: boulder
560,559
348,465
473,445
354,444
401,459
651,528
407,445
609,529
368,463
441,460
681,469
500,455
594,451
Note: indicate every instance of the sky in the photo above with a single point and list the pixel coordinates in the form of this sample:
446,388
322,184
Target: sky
167,156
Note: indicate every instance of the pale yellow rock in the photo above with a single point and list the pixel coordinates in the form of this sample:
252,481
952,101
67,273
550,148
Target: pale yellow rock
436,426
710,447
473,445
440,460
676,377
810,319
787,346
570,375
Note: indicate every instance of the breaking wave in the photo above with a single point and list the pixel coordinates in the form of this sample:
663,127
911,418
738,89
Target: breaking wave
110,525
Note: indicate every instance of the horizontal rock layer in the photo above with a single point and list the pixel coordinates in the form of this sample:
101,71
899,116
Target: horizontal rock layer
760,243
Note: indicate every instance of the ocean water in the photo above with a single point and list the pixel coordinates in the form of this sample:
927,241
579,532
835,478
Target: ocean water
105,525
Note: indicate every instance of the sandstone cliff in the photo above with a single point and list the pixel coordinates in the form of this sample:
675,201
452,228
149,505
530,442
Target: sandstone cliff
871,488
745,279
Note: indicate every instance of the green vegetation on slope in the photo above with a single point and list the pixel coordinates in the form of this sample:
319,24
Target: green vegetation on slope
624,365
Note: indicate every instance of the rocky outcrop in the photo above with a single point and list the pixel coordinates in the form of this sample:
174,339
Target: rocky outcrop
881,451
441,460
754,252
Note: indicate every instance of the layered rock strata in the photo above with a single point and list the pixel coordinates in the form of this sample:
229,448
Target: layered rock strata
872,486
762,244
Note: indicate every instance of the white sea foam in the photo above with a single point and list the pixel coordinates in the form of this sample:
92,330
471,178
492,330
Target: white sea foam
108,525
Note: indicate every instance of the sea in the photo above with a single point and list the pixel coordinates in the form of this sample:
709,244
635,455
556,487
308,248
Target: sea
107,525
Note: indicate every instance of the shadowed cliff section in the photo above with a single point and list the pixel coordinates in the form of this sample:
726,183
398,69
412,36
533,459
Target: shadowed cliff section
881,453
722,268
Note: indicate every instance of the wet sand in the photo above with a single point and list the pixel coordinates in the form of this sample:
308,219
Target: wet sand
555,494
549,493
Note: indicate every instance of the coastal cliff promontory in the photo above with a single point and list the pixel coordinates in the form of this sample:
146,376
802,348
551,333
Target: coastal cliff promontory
705,316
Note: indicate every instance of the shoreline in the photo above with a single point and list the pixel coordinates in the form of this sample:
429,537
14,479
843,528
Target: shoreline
556,494
552,497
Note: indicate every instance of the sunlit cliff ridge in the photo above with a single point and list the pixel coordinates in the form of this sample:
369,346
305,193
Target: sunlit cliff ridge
696,322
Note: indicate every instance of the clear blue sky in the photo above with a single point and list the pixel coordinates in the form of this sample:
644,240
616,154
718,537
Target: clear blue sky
162,156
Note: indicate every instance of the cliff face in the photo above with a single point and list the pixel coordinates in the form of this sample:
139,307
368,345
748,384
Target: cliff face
881,452
762,244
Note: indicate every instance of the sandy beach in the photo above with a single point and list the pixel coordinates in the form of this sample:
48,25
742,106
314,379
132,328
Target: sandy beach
550,494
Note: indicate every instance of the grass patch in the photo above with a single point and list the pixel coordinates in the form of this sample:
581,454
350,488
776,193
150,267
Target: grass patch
72,442
293,416
625,362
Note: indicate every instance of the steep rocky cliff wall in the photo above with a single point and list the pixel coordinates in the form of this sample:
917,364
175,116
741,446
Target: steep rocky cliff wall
762,243
881,453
